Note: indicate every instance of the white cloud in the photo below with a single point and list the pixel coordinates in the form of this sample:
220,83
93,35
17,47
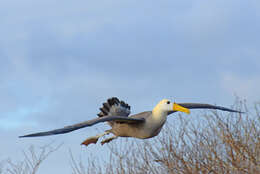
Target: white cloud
60,61
246,87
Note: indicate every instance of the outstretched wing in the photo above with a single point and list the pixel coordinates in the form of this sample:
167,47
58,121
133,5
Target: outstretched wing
204,106
67,129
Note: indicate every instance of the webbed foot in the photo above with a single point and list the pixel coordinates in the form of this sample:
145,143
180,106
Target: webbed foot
108,140
90,140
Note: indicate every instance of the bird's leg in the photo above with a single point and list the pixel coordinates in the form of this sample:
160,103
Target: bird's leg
108,140
94,139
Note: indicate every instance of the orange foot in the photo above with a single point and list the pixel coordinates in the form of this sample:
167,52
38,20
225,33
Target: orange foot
108,140
90,141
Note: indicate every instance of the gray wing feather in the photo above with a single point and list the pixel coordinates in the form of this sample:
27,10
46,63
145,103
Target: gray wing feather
204,106
86,124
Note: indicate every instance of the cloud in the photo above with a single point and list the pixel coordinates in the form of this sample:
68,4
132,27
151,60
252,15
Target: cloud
243,86
68,56
60,61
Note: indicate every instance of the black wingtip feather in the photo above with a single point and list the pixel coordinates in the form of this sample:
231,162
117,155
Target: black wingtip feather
103,110
110,101
100,114
116,100
107,106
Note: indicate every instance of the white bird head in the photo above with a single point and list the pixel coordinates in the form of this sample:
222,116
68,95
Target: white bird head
165,106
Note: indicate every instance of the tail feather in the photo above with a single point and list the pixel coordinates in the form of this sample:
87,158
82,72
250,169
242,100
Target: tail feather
114,107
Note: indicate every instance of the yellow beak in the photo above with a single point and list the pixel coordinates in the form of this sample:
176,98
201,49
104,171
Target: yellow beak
177,107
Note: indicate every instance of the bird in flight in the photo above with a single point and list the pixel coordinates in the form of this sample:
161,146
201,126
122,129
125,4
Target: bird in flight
142,125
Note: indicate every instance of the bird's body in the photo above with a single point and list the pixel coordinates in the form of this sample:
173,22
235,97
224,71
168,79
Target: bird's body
150,128
142,125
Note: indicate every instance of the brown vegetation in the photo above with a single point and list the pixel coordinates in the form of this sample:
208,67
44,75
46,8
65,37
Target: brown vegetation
212,143
206,143
30,164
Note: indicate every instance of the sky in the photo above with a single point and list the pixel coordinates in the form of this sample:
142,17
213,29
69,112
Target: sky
59,61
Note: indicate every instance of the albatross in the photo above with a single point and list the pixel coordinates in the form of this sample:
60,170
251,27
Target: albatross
142,125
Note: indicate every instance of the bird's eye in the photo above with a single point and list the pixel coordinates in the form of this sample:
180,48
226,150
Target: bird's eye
168,102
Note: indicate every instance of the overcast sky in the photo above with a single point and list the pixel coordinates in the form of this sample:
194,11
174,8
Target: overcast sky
60,60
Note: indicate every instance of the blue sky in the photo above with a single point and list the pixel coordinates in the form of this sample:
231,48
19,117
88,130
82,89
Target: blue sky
60,61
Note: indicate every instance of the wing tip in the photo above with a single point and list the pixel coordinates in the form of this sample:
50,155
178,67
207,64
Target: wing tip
232,110
24,136
40,134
